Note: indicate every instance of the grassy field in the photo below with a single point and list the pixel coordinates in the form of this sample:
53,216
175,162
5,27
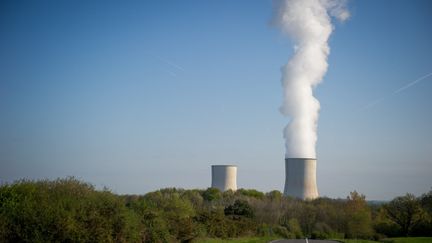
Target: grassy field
358,241
268,239
394,240
410,240
238,240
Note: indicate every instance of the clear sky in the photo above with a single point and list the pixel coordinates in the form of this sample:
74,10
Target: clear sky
140,95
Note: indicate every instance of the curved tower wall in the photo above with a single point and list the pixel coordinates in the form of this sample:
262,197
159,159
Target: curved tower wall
300,178
224,177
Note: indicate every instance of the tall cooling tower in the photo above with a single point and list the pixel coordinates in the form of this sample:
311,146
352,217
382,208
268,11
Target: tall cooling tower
224,177
300,178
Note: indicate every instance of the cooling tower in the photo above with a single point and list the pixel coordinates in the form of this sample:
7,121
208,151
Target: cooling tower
300,178
224,177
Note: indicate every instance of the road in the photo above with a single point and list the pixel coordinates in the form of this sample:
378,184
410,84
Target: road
303,241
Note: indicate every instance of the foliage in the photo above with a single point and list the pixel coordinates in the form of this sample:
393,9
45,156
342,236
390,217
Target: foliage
357,241
250,193
274,195
404,211
358,217
294,227
63,210
238,240
411,240
68,210
212,194
240,208
392,240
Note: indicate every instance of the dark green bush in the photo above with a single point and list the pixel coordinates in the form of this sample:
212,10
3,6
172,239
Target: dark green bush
250,193
63,210
212,194
240,208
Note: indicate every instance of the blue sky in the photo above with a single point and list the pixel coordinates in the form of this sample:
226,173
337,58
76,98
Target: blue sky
141,95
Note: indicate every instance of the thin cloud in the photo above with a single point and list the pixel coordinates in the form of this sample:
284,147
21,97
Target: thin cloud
412,83
172,73
397,91
171,64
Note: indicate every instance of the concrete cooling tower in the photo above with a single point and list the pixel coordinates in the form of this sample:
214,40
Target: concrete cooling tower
300,178
224,177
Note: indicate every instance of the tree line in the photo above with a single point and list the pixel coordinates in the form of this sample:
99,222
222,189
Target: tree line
68,210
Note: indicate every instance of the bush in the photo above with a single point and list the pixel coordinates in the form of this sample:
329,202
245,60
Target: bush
250,193
274,195
388,229
283,232
319,235
240,208
67,210
63,210
294,228
212,194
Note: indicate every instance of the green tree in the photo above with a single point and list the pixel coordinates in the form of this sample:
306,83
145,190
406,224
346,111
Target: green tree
63,210
250,193
194,197
294,228
424,228
155,227
383,225
358,217
404,211
212,194
176,211
274,195
214,221
426,202
240,208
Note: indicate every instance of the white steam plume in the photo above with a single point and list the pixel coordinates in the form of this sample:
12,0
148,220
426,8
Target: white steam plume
308,23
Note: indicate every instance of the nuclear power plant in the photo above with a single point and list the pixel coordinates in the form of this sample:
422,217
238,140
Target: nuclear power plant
224,177
300,178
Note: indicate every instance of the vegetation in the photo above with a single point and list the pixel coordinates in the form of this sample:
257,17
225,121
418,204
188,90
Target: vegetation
409,240
239,240
392,240
68,210
357,241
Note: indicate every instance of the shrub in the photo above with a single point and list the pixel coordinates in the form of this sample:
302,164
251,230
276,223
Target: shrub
212,194
63,210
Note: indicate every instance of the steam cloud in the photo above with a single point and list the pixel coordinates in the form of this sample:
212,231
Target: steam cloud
308,23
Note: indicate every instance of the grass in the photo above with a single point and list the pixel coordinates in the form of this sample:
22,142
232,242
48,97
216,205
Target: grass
357,241
409,240
393,240
238,240
267,239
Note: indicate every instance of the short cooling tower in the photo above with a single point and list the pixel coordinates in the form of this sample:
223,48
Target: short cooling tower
224,177
300,178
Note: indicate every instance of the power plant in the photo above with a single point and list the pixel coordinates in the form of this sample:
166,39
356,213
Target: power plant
224,177
300,178
309,26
